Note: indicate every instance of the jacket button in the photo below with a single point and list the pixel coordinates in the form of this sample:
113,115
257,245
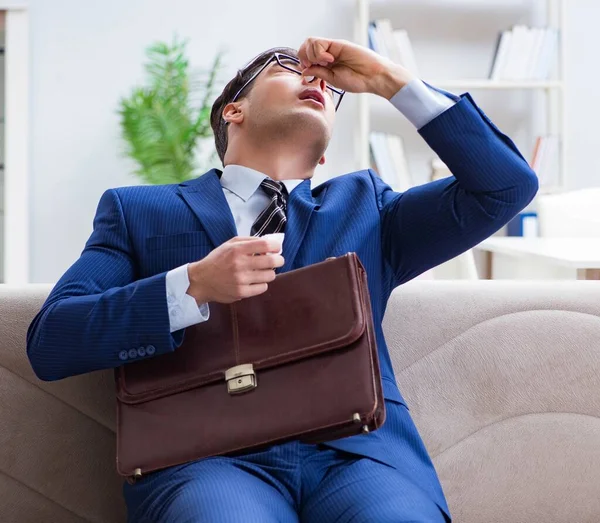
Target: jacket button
132,353
141,352
123,355
150,350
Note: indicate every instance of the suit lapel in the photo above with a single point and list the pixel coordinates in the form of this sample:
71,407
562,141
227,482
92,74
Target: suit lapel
300,208
205,197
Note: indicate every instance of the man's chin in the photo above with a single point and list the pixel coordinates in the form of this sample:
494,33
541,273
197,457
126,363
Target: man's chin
297,125
310,120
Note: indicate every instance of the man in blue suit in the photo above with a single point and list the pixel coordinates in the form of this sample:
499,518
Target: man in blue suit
159,255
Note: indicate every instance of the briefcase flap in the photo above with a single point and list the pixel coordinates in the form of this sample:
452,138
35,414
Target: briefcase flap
305,313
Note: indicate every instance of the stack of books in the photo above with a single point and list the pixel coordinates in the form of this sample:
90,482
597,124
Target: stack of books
525,53
389,160
392,43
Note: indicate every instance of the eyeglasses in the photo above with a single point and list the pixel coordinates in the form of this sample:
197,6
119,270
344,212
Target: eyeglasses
291,64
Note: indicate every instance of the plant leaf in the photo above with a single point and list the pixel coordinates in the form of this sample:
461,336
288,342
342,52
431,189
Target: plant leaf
160,122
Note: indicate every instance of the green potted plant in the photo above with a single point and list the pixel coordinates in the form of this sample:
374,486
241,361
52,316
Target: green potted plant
164,121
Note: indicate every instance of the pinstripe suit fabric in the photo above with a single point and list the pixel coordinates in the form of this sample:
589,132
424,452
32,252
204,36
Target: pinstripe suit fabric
113,297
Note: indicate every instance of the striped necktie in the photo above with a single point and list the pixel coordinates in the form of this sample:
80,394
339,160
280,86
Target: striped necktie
272,219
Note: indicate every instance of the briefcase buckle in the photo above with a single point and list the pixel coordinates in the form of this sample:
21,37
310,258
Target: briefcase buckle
241,378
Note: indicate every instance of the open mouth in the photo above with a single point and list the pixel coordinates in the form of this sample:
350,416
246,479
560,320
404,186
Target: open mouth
314,95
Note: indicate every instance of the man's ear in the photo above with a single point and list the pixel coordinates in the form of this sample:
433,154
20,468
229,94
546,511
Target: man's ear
232,113
322,160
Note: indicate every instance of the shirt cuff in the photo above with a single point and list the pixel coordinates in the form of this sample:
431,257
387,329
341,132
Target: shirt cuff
420,103
183,309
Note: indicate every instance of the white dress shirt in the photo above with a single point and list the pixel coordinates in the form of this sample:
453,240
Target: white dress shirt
241,185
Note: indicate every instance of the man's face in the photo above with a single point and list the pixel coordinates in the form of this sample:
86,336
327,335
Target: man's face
281,100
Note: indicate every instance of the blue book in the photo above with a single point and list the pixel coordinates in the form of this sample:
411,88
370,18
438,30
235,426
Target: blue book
523,224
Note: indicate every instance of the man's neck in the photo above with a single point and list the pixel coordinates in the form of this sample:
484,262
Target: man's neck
275,162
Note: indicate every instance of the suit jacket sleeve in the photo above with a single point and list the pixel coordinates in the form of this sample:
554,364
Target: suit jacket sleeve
98,314
435,222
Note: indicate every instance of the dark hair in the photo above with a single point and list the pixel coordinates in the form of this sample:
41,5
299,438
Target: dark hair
218,124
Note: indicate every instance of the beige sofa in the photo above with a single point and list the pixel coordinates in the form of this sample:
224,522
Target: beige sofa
502,378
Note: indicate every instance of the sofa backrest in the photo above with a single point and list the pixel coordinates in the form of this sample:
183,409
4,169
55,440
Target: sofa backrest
503,382
502,379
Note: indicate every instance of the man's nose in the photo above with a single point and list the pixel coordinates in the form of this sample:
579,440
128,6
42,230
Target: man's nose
313,79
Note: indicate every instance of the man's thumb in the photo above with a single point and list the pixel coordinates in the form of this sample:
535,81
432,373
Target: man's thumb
319,71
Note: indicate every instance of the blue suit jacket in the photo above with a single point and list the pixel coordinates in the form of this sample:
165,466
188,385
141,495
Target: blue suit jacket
113,297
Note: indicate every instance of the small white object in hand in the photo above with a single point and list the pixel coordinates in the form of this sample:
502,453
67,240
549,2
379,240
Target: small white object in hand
278,237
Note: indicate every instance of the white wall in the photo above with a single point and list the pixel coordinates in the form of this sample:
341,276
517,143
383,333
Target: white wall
583,95
16,145
85,55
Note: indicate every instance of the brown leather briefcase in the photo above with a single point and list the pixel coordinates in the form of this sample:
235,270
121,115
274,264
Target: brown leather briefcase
297,362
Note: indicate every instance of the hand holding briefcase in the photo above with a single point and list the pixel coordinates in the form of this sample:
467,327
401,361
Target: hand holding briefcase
297,362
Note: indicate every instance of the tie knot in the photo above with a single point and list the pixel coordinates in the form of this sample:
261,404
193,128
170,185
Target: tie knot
273,188
272,219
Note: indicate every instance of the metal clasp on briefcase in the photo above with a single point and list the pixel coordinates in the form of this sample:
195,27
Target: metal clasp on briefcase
241,378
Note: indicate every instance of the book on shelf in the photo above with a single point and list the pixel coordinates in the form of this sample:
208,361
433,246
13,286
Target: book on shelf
392,43
525,53
545,160
389,160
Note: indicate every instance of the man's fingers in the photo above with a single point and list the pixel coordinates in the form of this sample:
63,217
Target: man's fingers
315,51
323,58
238,239
248,278
259,246
254,290
268,261
263,276
255,276
252,276
320,72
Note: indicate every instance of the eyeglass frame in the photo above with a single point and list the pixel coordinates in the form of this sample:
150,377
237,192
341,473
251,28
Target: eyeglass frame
276,56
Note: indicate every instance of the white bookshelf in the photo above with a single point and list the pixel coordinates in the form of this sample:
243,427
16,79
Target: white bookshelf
548,116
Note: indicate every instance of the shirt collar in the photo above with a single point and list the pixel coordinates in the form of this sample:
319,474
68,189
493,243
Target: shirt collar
243,181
